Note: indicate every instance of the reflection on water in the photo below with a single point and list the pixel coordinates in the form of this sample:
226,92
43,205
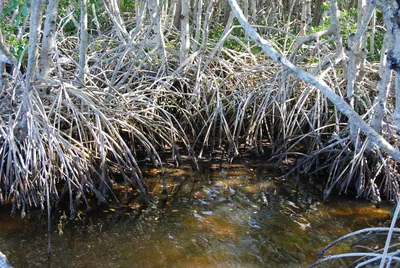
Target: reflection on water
216,218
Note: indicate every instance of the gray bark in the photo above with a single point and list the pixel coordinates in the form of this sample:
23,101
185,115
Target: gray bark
372,36
137,12
356,49
83,44
178,13
185,33
199,12
391,18
305,17
383,88
253,7
394,62
155,11
335,25
49,36
227,14
171,9
34,29
246,15
397,110
356,44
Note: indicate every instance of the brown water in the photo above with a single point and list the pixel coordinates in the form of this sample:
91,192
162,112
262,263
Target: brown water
214,218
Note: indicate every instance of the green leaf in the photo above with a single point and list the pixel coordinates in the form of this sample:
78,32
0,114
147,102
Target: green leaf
25,11
18,19
7,11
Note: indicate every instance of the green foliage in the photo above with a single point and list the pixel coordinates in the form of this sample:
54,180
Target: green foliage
19,9
378,44
256,50
347,20
232,44
378,39
127,6
20,6
348,23
216,33
17,46
69,28
102,17
173,44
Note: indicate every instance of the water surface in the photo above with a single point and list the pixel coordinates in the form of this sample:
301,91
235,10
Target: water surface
213,218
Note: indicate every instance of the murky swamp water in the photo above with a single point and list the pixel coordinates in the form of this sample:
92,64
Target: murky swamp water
214,218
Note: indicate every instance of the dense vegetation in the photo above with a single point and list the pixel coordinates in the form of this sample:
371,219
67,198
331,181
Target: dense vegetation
89,88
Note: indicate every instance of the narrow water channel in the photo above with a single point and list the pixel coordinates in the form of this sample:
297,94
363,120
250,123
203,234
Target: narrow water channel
213,218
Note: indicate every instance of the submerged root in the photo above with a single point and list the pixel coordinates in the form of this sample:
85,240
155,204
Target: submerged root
368,174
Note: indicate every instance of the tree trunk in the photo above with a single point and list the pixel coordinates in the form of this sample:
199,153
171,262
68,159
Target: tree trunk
227,14
171,9
355,50
384,78
246,15
137,12
198,14
392,17
156,13
34,29
83,44
185,33
49,39
202,49
305,17
178,14
337,38
317,12
397,111
21,129
253,7
372,35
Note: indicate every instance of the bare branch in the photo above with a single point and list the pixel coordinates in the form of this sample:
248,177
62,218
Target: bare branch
339,102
